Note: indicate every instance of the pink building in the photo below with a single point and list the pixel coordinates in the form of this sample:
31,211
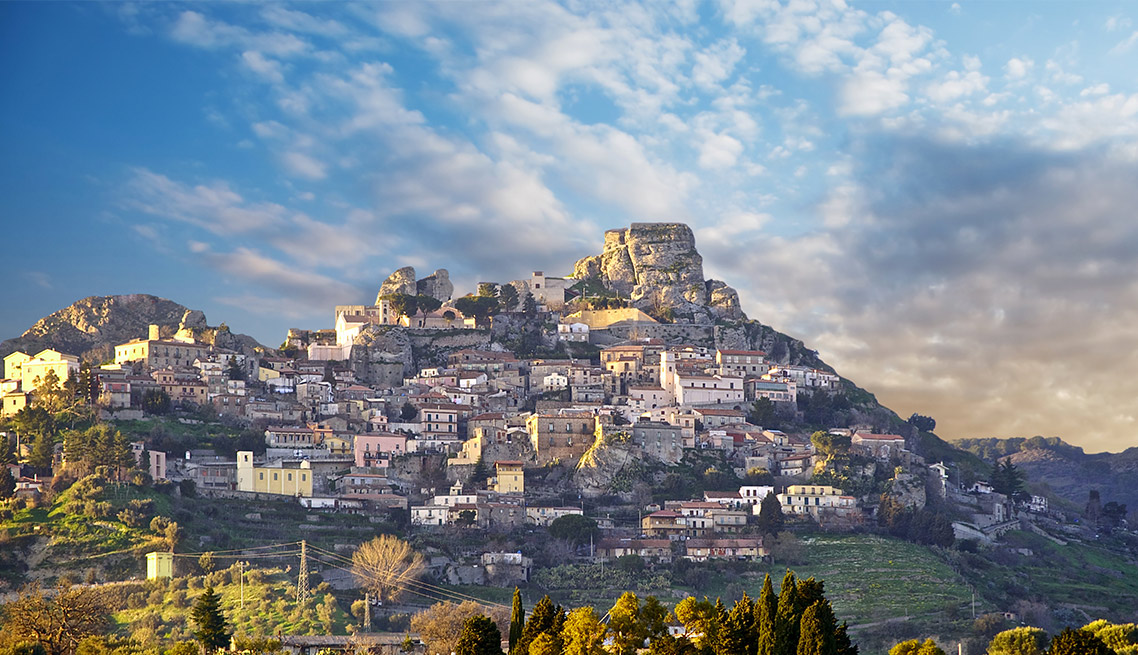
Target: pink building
377,448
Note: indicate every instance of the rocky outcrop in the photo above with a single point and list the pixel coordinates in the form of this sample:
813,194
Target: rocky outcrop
601,465
724,300
657,267
91,327
437,285
401,281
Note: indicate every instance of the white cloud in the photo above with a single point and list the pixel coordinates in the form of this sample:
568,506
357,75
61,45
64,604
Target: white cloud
1018,68
716,63
269,69
1124,46
196,29
1096,90
214,207
303,165
956,85
869,93
719,151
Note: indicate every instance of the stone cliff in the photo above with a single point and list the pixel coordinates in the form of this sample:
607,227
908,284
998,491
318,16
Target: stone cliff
437,285
91,327
657,267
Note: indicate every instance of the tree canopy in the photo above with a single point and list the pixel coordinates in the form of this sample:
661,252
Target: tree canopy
212,630
385,565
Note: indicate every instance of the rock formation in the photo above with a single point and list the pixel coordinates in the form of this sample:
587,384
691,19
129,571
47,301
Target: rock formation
401,281
656,266
91,327
437,285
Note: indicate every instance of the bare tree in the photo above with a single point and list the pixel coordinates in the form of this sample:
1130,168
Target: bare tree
385,565
440,625
58,621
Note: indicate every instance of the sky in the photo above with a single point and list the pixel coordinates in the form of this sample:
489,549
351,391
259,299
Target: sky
939,197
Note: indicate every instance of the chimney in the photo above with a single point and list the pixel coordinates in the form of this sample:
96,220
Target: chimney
153,336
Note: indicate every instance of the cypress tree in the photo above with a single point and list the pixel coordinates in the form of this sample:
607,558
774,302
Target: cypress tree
517,619
540,621
480,636
816,633
786,618
808,591
212,632
736,637
764,619
842,643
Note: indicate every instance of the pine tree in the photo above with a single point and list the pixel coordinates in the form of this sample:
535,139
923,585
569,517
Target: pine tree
43,451
765,610
786,618
808,591
624,624
212,632
517,619
816,630
480,636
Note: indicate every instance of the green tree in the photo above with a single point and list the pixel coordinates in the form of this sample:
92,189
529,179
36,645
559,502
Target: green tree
765,610
624,624
915,647
786,617
517,619
584,634
922,423
480,636
206,563
529,305
234,370
1076,642
7,450
50,394
427,304
408,412
574,528
770,519
542,620
842,642
7,483
736,636
212,630
1007,479
816,630
402,304
487,290
156,401
478,307
42,454
508,296
763,413
1019,641
654,618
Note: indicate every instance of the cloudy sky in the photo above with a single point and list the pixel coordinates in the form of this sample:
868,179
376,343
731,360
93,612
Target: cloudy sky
937,196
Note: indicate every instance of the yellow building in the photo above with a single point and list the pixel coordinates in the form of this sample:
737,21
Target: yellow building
285,479
510,477
30,370
13,402
159,353
159,565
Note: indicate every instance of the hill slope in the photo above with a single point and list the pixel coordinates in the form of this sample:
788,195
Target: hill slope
91,327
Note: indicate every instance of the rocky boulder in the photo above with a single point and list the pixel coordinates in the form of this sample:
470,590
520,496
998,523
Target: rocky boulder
656,266
437,285
401,281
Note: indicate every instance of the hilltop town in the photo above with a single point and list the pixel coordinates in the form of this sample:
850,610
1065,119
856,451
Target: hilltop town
631,403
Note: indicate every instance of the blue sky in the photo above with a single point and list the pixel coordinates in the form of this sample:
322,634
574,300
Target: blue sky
937,196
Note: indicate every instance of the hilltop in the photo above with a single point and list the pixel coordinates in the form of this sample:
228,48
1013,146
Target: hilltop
1066,470
91,327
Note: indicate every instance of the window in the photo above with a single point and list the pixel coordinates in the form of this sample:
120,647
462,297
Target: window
290,477
274,477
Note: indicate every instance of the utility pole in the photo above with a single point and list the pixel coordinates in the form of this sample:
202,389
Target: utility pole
302,579
241,566
367,610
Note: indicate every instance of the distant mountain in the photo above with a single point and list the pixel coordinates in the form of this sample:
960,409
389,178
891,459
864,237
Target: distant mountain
91,327
1066,470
